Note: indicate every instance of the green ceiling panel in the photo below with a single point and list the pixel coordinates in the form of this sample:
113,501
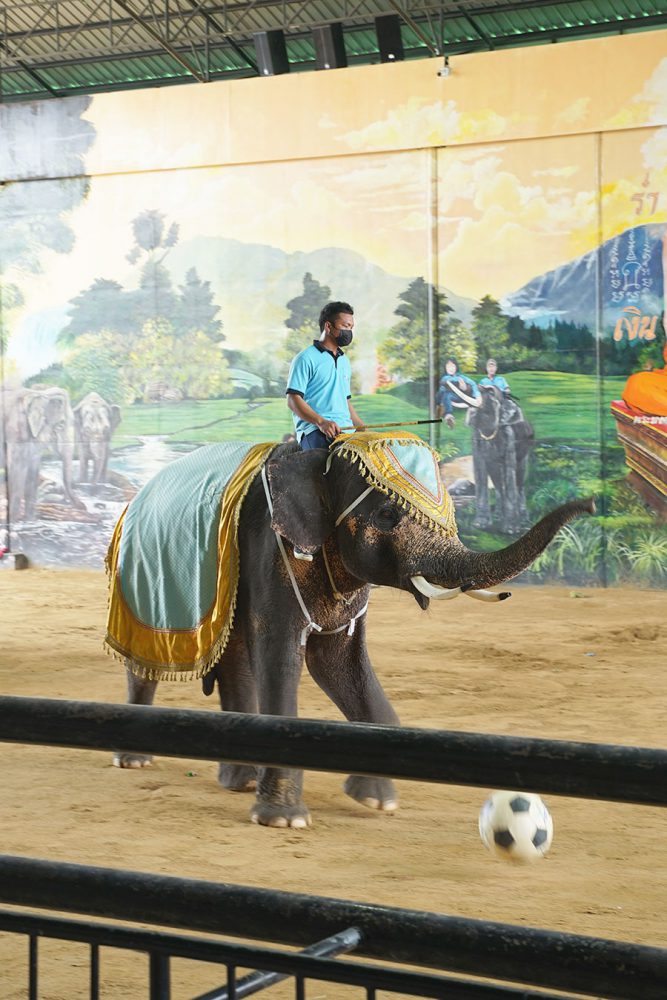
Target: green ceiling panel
57,47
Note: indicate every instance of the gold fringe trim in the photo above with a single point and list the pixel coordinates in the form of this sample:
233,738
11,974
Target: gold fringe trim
354,456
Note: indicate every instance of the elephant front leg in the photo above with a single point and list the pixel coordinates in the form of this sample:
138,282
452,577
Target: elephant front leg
277,672
341,666
511,516
238,693
481,476
139,692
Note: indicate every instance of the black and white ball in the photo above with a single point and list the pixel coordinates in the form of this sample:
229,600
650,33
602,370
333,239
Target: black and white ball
516,826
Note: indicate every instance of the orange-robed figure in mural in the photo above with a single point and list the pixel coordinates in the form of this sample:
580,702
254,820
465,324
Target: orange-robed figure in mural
647,391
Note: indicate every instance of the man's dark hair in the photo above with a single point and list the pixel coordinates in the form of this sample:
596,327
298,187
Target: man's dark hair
453,361
331,310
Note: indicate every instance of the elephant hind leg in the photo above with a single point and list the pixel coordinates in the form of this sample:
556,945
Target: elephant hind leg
139,692
238,693
340,665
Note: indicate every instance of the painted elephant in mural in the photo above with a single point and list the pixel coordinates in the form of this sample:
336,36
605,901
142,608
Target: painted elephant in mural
37,420
95,420
319,503
501,443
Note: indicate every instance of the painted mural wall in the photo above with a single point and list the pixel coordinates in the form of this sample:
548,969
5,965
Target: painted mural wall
164,254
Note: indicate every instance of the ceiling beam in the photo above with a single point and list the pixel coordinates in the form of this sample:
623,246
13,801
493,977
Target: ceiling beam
31,71
414,27
213,23
475,27
174,53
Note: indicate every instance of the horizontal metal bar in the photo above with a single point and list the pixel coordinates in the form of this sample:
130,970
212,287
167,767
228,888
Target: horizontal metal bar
254,982
587,770
351,973
610,969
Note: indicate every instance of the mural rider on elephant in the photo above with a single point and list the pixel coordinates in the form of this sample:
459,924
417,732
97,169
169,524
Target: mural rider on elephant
493,378
456,389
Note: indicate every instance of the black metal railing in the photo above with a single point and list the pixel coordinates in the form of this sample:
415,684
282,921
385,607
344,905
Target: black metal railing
559,767
276,964
493,951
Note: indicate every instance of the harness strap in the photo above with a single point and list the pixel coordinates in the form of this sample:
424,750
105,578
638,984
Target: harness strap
337,594
310,626
353,505
350,625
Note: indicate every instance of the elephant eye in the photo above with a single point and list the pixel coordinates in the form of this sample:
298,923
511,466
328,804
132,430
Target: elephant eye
386,518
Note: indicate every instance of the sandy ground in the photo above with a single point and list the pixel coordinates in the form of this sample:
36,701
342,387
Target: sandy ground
585,665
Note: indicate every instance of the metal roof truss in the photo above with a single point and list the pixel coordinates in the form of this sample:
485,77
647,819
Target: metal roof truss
52,48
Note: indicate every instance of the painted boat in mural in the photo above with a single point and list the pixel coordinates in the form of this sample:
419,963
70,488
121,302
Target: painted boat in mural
644,439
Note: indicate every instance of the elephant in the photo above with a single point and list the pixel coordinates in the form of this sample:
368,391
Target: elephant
357,537
36,418
501,443
95,420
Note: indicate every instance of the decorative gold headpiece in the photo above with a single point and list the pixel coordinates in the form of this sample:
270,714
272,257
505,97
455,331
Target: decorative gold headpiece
406,469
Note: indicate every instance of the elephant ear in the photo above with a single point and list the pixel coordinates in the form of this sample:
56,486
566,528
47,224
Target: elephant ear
523,431
78,421
56,408
36,415
301,506
510,412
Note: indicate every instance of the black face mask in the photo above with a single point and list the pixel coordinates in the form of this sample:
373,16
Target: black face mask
344,338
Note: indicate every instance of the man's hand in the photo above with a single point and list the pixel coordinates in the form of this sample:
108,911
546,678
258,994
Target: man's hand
329,428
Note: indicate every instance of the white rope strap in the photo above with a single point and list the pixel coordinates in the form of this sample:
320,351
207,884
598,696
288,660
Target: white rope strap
354,502
353,505
337,594
310,626
350,625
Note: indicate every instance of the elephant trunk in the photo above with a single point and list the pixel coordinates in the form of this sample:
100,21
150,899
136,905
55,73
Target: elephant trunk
65,448
478,570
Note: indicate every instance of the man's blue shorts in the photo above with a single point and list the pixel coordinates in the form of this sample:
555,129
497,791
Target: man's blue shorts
316,439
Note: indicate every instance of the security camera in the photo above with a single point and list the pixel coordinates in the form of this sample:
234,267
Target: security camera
445,71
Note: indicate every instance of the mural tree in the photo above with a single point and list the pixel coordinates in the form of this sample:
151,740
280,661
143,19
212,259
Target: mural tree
10,298
155,341
405,350
104,305
303,318
490,328
33,216
196,309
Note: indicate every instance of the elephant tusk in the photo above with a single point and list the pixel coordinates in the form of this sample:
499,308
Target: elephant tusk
429,590
489,595
469,400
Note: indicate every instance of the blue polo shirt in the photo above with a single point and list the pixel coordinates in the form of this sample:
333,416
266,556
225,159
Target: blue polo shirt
324,382
497,380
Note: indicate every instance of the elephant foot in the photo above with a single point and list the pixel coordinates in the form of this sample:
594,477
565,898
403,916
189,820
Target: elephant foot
374,793
237,777
280,815
132,760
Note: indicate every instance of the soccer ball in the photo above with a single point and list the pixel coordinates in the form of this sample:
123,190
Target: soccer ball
516,826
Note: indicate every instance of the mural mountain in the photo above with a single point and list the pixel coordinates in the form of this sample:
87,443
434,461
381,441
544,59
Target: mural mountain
631,269
252,284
